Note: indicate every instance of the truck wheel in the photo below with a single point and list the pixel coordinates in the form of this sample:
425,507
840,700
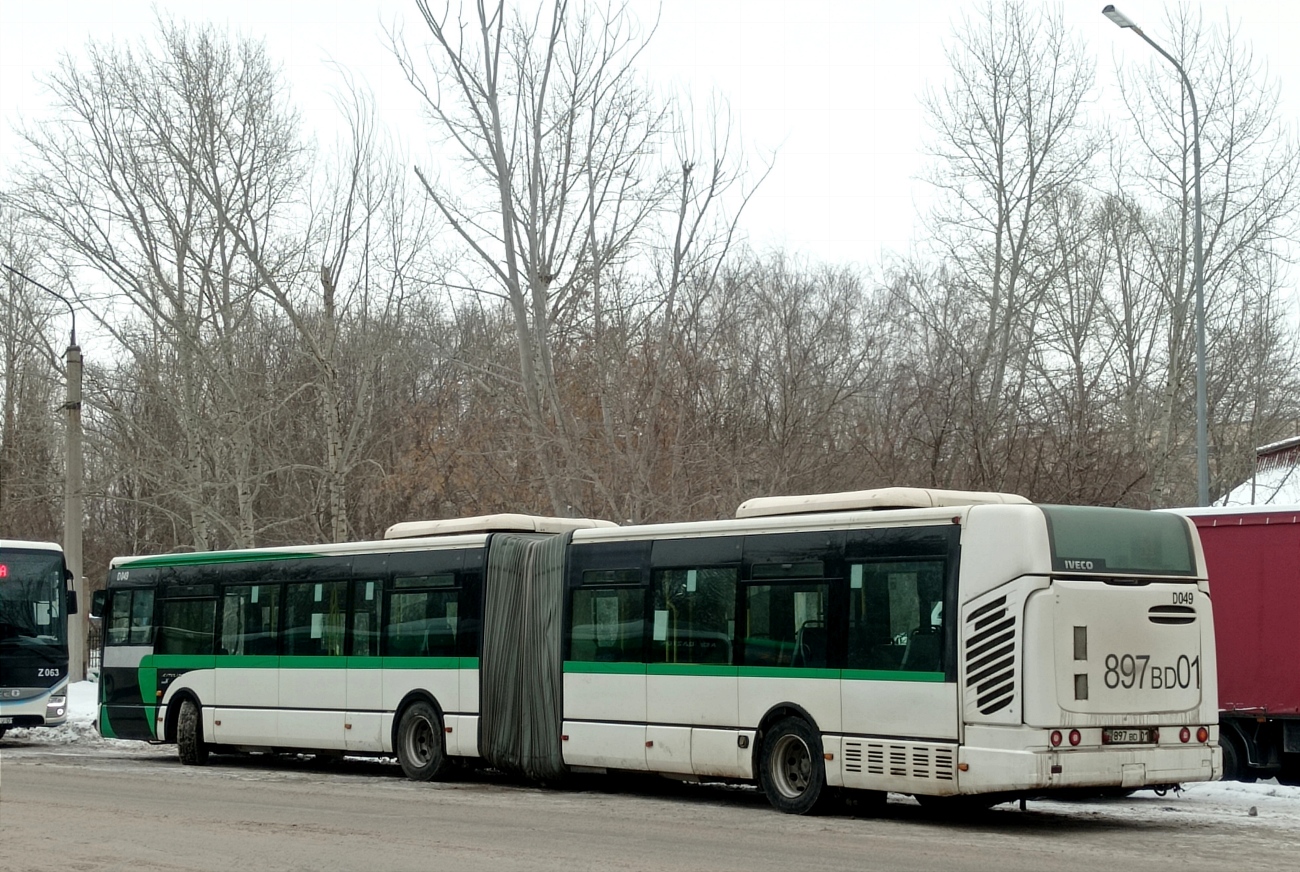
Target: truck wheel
1235,765
1289,774
190,746
419,743
791,770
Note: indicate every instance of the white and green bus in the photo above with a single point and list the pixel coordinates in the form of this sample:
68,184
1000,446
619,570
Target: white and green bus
960,647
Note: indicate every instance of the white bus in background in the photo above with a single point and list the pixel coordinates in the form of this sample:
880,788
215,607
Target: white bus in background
34,606
965,648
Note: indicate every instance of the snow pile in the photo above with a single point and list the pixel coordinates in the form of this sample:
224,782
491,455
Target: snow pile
80,727
1278,485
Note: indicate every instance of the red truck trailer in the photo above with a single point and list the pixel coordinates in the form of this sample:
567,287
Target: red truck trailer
1253,558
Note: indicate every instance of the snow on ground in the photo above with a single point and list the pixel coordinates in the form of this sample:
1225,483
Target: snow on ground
1266,804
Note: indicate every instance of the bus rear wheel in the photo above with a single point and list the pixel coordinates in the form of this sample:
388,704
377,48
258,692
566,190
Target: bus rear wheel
791,770
419,743
190,746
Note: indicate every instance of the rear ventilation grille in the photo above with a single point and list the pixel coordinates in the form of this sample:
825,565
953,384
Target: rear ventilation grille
1172,615
991,655
899,760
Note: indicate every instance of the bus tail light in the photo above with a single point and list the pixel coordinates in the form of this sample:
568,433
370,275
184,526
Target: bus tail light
1075,737
1184,735
1202,734
1056,738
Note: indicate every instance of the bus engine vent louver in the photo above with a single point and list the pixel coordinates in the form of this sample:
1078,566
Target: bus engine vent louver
1171,615
991,655
899,760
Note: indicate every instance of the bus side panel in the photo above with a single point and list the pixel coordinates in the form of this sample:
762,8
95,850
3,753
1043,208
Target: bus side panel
364,721
248,696
816,691
926,709
312,700
677,701
605,715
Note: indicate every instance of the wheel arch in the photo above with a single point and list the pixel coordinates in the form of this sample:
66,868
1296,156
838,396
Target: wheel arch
774,715
174,712
412,697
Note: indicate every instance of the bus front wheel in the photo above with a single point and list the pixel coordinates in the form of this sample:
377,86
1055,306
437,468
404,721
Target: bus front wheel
791,771
190,746
419,743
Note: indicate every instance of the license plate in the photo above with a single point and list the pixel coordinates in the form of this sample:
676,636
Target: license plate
1128,736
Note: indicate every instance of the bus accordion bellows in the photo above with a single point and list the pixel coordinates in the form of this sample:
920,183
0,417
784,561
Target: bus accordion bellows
34,606
965,648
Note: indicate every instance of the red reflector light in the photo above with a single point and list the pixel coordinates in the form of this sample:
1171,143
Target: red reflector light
1056,738
1202,734
1075,737
1184,735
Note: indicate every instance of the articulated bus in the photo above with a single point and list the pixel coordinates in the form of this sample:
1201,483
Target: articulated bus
964,648
34,606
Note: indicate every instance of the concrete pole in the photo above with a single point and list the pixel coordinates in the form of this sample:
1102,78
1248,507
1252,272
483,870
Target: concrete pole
73,502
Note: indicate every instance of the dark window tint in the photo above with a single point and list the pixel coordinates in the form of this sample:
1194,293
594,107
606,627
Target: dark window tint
423,623
608,625
785,624
250,614
187,626
315,616
896,616
694,615
367,596
130,617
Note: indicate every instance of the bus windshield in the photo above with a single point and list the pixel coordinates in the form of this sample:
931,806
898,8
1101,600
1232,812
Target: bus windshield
32,598
1114,542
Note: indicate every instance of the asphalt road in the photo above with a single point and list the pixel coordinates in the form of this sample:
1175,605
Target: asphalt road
80,808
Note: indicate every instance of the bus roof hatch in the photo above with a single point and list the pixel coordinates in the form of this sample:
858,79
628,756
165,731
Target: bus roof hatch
502,523
879,498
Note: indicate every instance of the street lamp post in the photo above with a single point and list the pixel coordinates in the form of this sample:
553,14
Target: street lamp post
73,497
1198,262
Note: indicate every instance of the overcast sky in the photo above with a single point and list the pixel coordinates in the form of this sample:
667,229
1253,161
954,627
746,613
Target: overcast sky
832,87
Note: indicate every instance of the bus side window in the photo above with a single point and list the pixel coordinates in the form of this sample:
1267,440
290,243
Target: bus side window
785,624
608,624
187,626
250,614
314,618
896,616
119,617
367,595
694,615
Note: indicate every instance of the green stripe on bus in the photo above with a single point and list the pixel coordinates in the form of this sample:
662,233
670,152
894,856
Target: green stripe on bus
890,675
693,669
602,668
788,672
202,558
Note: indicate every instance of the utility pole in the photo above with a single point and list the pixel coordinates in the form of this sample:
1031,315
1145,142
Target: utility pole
73,492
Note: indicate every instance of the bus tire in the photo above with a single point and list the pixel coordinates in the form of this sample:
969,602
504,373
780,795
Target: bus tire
791,771
420,747
190,746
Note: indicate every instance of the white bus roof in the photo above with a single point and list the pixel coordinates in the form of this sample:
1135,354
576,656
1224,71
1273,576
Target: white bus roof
30,546
880,498
502,523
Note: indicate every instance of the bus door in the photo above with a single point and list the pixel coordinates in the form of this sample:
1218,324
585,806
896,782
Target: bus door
128,692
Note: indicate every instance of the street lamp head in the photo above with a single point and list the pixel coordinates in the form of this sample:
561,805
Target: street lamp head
1118,17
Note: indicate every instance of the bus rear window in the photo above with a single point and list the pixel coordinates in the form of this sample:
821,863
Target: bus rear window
1098,540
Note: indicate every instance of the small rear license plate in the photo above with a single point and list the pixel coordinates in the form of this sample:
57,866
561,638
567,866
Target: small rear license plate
1128,736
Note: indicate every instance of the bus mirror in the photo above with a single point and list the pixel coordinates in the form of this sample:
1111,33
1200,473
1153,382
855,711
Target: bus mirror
97,598
72,602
